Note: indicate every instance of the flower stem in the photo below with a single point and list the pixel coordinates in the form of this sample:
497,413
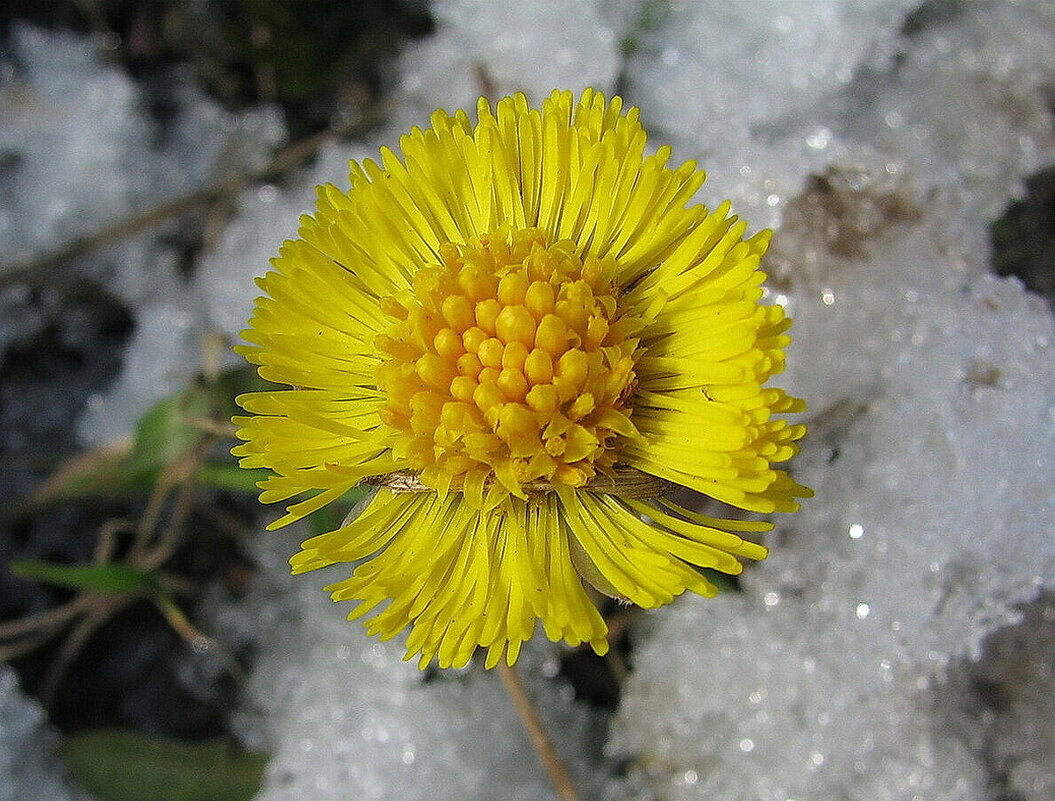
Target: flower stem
540,738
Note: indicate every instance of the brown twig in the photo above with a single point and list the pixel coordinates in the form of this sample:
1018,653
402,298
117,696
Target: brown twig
540,739
215,427
167,538
156,536
98,613
25,644
22,269
50,621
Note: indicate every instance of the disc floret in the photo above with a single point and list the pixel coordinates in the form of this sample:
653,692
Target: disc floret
511,367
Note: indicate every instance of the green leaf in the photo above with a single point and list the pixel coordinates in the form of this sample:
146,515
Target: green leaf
117,765
722,581
114,579
333,515
99,471
233,382
163,433
229,476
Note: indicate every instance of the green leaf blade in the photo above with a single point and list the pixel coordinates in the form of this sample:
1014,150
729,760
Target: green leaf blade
227,475
111,579
119,765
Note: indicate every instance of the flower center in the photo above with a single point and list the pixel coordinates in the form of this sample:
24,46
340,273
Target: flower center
510,363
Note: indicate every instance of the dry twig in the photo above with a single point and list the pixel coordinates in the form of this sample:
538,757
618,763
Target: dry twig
155,538
35,267
536,731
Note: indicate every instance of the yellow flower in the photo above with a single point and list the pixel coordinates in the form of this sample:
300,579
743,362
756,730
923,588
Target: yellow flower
523,334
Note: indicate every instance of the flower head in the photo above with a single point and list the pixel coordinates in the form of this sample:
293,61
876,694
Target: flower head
522,334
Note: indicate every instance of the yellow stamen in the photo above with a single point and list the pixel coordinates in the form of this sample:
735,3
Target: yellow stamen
498,358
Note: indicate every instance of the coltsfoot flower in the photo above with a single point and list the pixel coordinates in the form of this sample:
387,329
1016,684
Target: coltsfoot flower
522,333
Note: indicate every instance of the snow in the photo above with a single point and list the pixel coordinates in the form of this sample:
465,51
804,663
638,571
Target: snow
345,716
933,451
502,47
932,521
29,763
83,152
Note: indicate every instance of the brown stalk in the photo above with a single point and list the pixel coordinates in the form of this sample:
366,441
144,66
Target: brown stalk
156,537
37,265
536,731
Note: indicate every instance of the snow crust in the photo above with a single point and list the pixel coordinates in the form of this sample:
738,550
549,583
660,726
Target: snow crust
344,716
29,764
84,151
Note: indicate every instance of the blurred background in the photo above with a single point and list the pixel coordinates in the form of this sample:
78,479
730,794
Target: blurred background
898,644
